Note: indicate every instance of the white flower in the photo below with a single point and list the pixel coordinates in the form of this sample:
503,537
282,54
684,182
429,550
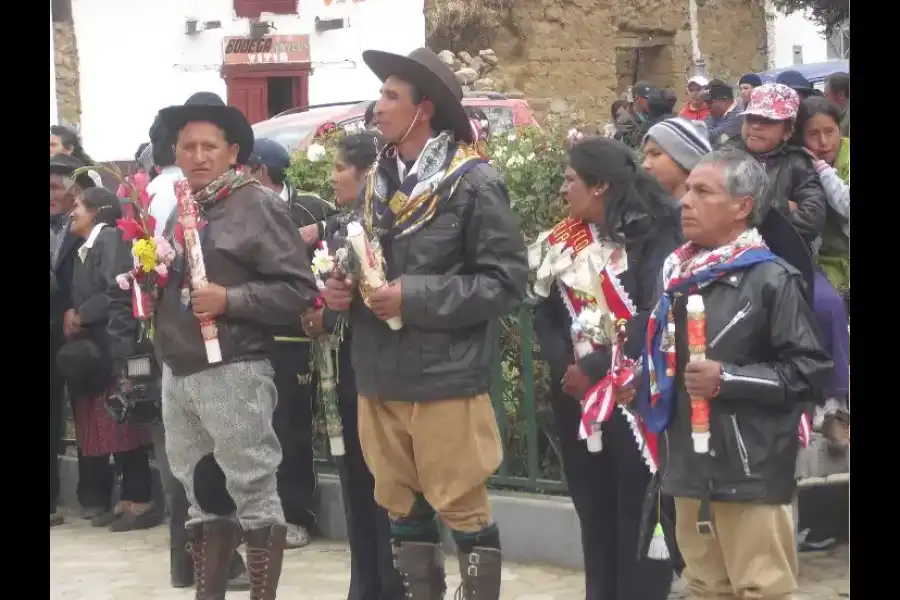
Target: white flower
511,137
530,156
574,135
316,152
515,160
322,262
499,151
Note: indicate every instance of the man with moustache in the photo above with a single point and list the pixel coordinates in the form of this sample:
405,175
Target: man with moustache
456,262
218,417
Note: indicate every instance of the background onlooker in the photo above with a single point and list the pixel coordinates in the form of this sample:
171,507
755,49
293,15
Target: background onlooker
837,90
696,108
724,122
746,85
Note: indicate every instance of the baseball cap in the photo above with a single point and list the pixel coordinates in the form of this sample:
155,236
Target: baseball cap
699,80
719,90
269,153
773,101
642,89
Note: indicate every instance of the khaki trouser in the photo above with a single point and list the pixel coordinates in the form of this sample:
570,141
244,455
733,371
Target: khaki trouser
442,449
753,554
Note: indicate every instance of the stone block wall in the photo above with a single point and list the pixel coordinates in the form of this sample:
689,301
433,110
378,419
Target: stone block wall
67,94
584,53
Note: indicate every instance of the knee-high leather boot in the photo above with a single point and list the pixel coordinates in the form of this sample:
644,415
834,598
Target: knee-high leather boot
421,565
265,552
480,572
212,545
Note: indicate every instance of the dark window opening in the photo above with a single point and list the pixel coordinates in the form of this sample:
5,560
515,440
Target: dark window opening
281,94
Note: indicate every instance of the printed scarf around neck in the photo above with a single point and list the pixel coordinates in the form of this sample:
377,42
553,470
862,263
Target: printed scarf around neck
434,175
687,270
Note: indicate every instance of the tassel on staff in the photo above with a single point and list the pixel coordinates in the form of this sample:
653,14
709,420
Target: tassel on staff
658,550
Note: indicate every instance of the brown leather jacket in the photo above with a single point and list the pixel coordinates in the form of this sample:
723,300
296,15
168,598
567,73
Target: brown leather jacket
252,248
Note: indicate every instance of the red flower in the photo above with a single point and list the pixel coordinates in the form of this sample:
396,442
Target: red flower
320,303
131,229
162,280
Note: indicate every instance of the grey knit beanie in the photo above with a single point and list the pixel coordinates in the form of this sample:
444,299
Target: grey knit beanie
684,140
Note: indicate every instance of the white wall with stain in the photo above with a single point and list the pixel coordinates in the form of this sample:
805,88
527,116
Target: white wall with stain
135,57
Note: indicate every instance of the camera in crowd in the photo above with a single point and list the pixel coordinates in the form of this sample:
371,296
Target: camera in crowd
138,394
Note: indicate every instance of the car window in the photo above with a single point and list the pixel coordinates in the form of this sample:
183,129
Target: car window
501,118
351,126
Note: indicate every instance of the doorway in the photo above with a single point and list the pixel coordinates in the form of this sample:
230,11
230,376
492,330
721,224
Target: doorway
263,91
281,94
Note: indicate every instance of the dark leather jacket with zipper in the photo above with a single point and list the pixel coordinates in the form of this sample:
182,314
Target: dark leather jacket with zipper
760,327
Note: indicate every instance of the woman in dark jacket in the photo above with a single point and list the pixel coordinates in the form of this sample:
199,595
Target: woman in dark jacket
99,341
616,204
372,573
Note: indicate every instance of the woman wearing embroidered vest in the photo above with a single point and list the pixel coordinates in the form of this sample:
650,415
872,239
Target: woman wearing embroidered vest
106,332
622,222
818,130
372,572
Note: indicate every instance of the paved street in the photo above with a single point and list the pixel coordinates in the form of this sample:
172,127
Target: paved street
94,564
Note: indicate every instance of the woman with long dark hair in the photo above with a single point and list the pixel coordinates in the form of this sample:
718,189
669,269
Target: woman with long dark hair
622,222
102,337
372,573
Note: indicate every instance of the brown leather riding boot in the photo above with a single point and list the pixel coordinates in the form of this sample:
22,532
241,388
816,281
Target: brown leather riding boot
265,551
421,565
211,545
480,572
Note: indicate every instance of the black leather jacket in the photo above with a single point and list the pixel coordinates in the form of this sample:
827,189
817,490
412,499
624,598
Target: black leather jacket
760,327
460,273
793,178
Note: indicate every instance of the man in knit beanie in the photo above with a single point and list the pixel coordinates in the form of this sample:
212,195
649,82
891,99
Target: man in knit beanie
672,148
746,85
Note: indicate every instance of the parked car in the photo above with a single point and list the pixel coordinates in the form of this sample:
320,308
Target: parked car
295,129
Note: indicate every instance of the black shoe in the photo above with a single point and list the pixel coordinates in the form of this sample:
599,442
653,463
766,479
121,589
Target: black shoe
56,519
129,521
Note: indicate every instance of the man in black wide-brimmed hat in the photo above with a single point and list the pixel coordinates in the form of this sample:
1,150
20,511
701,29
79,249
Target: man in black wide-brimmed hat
218,417
456,262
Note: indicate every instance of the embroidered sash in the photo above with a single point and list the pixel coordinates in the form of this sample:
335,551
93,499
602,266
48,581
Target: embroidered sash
586,268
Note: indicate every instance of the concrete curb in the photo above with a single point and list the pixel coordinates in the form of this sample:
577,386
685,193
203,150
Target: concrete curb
535,529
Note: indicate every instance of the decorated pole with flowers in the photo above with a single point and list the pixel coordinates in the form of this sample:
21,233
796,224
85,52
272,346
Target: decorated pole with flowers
152,254
188,217
370,266
325,348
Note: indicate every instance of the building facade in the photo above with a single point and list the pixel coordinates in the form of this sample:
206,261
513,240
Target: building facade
264,56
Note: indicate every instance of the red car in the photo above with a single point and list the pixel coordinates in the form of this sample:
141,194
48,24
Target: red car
296,128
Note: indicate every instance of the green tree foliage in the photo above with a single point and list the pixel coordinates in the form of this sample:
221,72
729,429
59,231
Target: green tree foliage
829,14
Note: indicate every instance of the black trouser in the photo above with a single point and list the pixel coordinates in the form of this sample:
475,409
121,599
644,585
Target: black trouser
372,573
96,477
56,415
293,422
177,504
608,490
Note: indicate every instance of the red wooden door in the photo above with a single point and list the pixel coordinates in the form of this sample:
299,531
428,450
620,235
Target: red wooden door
300,91
251,96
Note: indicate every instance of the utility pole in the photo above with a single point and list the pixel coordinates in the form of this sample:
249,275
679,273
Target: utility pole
697,59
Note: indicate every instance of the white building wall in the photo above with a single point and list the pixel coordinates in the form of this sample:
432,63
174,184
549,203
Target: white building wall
135,57
796,30
54,109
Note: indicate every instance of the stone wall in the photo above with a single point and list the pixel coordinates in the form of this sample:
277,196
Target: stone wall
580,55
67,95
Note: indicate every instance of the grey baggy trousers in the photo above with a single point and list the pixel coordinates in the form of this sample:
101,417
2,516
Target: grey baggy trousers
226,411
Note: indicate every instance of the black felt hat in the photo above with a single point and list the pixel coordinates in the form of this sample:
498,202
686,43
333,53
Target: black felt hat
432,77
206,106
64,164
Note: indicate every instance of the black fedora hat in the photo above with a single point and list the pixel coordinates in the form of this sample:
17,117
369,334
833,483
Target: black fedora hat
206,106
65,165
424,69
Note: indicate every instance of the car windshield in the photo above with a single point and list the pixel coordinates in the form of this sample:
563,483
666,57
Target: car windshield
291,129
